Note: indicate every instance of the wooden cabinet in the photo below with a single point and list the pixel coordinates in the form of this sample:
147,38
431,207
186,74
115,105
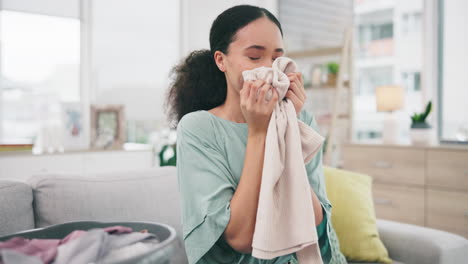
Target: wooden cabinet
393,165
426,186
448,169
399,203
448,210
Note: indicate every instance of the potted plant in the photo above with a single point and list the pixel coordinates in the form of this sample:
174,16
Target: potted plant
167,155
164,144
421,131
332,68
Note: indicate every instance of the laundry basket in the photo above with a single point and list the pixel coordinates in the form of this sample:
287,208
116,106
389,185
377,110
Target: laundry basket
159,253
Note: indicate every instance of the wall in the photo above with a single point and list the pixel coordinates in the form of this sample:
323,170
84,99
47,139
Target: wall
197,17
134,44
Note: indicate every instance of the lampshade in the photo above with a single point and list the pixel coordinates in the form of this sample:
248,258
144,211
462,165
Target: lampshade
389,98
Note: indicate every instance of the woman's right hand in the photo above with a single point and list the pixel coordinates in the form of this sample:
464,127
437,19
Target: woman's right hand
257,110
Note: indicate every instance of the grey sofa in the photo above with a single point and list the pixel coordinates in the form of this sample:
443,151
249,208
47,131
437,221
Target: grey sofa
153,195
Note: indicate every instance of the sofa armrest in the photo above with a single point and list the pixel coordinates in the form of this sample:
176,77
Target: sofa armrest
415,244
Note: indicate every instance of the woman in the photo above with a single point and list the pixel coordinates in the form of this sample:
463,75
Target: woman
221,135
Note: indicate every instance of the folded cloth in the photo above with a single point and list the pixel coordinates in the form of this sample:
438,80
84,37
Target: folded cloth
43,249
22,250
285,220
10,256
95,245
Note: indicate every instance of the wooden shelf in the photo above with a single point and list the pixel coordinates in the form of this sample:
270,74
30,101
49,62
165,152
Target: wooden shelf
324,86
333,103
315,52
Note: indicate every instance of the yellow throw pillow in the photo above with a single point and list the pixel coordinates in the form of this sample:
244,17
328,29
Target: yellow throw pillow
353,215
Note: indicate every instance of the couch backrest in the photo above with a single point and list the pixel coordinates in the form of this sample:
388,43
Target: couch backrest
16,211
141,195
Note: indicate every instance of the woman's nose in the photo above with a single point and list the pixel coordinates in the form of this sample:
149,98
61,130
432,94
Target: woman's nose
267,63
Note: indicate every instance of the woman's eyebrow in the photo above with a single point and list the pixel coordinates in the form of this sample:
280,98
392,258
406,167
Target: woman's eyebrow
263,48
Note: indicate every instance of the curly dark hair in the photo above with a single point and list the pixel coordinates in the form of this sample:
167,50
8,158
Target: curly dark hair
197,83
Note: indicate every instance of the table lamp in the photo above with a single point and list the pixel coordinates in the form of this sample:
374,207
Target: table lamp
389,99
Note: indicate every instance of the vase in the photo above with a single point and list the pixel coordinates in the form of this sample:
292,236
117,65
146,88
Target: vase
421,134
331,79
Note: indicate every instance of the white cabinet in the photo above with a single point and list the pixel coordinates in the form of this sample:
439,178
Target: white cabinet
20,166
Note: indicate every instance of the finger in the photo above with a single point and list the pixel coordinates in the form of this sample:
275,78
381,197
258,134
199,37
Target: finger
301,80
301,85
302,91
300,77
254,92
258,83
263,90
274,99
247,88
295,78
294,88
295,100
293,97
245,91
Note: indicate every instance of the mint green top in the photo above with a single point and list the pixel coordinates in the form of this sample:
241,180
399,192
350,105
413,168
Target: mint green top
210,159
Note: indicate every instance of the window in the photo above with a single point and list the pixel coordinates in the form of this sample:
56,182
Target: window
453,80
411,23
128,57
388,35
382,31
411,81
40,58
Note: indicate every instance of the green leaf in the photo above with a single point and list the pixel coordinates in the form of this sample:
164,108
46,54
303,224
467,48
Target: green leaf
428,110
333,67
421,117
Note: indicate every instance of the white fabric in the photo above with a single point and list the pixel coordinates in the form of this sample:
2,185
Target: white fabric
10,256
285,220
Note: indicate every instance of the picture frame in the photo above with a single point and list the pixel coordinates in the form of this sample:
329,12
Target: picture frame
107,127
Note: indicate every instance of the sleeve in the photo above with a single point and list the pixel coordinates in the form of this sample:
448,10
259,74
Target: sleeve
206,189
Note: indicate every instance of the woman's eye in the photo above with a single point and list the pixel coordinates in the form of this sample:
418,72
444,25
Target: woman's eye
252,58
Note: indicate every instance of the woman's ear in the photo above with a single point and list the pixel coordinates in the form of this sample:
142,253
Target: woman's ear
220,60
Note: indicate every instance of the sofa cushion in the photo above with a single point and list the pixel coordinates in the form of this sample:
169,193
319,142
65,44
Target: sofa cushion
353,216
143,195
16,211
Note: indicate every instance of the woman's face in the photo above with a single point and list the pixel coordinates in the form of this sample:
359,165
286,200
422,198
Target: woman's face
257,44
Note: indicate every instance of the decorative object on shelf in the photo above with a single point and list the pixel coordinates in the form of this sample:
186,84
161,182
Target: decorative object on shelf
164,146
50,134
333,69
421,132
316,78
331,105
167,155
107,126
73,126
389,99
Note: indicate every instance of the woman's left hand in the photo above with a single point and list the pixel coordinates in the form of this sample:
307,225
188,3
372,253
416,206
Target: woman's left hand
296,92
